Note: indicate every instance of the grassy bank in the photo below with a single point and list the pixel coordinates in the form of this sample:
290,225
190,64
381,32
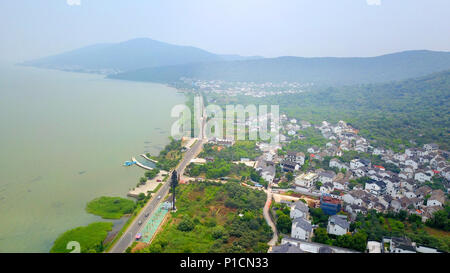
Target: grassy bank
89,237
110,207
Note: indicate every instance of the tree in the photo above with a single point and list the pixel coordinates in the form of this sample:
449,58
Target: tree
141,196
402,215
321,236
142,180
218,232
359,241
284,223
289,176
151,173
186,225
440,219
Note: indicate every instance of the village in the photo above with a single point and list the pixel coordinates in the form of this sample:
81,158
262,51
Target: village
230,89
344,187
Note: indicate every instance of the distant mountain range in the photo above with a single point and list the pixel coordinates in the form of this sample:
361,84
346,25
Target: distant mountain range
328,71
145,59
129,55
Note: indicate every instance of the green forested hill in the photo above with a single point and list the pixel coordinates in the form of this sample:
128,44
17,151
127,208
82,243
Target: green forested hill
389,114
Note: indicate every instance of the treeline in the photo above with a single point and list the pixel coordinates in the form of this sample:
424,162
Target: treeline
390,224
170,156
217,169
240,149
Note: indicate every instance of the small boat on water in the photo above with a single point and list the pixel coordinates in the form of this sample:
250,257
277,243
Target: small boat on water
129,163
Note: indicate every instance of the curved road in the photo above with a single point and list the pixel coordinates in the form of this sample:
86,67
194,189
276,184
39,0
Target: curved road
269,221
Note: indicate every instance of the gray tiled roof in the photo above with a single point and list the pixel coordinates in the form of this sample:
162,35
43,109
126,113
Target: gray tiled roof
301,206
339,221
302,223
286,248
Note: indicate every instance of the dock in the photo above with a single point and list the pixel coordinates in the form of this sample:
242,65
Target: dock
141,165
149,159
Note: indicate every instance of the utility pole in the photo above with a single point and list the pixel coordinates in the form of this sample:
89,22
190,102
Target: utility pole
174,184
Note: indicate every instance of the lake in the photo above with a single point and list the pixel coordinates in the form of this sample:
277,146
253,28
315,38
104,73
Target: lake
63,139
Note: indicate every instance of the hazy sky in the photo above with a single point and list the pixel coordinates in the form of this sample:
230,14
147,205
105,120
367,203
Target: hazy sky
35,28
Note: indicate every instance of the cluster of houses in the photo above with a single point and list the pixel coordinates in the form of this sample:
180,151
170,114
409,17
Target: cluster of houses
302,229
226,88
378,189
341,136
302,232
382,189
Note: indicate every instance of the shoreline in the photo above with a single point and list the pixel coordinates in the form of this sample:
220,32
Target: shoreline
131,217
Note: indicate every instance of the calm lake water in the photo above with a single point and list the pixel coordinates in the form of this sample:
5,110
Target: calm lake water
63,139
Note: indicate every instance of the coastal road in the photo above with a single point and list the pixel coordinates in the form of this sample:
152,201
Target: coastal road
130,234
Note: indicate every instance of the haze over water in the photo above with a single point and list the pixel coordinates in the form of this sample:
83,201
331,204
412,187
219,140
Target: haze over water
63,139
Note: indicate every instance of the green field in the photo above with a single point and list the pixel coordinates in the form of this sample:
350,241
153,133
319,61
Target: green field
89,237
110,207
207,220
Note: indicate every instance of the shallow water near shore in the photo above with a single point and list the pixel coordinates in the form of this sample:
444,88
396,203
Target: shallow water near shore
64,137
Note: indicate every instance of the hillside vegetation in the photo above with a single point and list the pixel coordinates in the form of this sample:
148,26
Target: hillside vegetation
396,114
215,217
319,71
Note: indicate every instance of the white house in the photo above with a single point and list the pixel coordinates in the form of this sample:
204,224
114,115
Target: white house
422,176
335,163
299,209
338,225
306,180
301,229
410,194
378,151
354,197
355,164
437,198
339,185
412,163
407,185
375,187
297,157
431,147
360,172
313,150
326,177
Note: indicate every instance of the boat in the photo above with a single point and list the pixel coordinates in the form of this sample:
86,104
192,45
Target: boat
129,163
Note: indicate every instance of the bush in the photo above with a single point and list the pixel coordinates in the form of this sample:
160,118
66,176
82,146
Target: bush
186,225
218,232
